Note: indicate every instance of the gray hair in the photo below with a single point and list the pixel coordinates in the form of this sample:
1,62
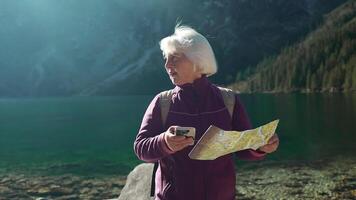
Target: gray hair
194,46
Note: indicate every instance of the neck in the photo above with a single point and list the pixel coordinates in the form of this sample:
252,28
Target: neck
198,76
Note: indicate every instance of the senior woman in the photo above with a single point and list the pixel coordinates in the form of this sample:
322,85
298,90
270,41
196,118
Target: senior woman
194,102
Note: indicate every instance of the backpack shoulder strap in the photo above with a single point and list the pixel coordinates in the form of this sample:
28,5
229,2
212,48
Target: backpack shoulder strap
229,99
153,179
165,98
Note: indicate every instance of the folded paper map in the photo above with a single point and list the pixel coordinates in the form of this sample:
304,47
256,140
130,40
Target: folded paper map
216,142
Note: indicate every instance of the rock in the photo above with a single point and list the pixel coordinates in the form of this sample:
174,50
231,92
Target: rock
353,193
138,184
116,190
53,190
84,196
5,190
120,182
101,189
44,191
68,197
86,183
22,181
70,181
59,191
97,183
84,190
94,192
4,180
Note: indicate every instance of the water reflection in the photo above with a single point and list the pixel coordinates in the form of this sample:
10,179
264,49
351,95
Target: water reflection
312,125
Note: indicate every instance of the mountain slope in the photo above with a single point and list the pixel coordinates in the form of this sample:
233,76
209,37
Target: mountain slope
91,47
324,61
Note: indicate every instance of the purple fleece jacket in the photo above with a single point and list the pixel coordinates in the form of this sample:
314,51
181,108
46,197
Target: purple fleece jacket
178,177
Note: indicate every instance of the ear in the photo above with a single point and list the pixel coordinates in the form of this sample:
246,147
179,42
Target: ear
196,68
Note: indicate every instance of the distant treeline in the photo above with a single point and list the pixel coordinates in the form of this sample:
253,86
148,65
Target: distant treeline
324,61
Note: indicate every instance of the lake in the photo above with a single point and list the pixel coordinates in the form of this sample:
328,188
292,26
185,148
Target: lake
94,135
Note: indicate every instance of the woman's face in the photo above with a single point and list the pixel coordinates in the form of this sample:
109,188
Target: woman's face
180,69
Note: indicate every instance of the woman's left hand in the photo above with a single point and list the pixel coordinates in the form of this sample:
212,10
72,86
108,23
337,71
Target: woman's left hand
271,146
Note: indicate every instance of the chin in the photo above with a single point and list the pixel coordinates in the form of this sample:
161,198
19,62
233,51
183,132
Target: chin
175,82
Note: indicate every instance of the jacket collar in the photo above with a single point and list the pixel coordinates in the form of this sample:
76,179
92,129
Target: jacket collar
199,86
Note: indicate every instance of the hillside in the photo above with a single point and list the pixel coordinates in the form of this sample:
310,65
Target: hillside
93,47
324,61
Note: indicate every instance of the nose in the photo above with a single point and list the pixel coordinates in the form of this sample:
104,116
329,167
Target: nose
170,64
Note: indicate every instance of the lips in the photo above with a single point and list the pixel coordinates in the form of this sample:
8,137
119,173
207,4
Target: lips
172,73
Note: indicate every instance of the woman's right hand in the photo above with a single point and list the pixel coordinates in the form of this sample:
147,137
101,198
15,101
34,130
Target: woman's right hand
176,142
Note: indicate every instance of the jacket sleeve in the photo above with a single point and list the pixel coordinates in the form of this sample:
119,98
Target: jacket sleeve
241,122
149,144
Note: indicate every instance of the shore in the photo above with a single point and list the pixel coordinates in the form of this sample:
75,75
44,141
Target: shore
323,179
63,187
317,180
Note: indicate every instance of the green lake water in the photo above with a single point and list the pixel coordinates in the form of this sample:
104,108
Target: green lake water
94,135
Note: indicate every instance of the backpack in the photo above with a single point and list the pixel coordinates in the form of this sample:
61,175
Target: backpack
165,102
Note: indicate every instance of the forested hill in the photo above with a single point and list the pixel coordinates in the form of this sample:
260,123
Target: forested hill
92,47
324,61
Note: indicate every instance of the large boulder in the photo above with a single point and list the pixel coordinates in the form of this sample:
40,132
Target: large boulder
138,183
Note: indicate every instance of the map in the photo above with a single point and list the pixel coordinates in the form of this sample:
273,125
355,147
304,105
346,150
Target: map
216,142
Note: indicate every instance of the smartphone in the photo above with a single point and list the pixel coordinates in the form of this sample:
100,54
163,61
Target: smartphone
185,131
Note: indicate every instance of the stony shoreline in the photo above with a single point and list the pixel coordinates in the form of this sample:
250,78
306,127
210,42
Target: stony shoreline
325,179
317,180
63,187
